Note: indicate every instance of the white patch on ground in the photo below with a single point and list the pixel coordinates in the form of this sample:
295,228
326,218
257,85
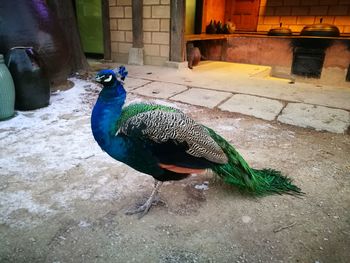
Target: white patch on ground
56,143
204,186
20,200
64,145
83,224
261,131
246,219
233,125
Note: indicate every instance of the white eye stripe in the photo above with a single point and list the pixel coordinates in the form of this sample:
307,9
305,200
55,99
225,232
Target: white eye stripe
108,79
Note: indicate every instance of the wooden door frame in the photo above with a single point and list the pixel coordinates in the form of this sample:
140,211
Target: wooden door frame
177,30
106,30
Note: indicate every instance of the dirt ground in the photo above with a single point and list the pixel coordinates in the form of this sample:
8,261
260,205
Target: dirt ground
63,200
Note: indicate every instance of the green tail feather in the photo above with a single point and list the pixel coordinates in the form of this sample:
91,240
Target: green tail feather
260,182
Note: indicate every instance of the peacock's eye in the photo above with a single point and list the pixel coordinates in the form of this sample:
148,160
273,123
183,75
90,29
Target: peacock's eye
108,79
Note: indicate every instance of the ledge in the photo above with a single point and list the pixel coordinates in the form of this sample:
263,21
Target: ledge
195,37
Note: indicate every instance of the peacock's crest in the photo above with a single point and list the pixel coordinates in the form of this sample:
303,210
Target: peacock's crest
121,73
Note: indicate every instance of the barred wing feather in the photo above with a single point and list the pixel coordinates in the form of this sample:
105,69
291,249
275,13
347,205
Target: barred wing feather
163,126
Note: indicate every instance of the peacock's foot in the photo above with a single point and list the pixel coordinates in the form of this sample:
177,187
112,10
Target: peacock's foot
145,207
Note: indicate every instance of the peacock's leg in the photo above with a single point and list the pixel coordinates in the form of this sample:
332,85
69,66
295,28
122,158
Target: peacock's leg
143,209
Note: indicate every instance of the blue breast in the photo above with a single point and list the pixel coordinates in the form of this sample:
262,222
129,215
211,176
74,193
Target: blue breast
104,117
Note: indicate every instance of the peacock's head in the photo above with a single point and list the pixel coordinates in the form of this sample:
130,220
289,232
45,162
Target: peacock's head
107,77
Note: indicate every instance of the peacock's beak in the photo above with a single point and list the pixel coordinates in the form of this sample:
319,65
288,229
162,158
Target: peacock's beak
98,79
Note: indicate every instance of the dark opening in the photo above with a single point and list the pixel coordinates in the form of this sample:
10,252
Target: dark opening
308,56
308,62
198,17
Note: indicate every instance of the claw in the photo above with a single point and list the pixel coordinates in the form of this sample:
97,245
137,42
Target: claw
152,200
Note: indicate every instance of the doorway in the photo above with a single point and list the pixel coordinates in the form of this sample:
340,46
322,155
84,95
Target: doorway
93,24
244,13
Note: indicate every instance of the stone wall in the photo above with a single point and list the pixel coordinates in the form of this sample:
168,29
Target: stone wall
295,14
156,30
277,52
261,51
120,13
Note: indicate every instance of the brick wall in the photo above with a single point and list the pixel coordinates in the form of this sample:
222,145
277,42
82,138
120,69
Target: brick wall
156,30
295,14
120,13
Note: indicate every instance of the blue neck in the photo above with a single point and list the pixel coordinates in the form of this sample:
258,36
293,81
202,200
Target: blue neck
106,113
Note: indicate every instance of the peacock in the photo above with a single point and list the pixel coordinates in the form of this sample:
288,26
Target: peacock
165,143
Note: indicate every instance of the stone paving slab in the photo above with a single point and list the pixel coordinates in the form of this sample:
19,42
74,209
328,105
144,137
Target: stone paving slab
160,90
237,78
262,108
202,97
131,83
318,117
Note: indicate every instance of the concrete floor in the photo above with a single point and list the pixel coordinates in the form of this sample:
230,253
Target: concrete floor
246,89
62,199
